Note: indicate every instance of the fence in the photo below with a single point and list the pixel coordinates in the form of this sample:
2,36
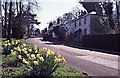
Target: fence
109,42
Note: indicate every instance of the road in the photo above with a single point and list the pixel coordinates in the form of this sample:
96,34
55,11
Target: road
93,63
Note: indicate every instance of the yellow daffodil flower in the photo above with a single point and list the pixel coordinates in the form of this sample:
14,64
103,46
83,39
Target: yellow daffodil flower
16,42
24,61
28,55
63,59
36,51
8,44
58,53
13,53
52,53
44,49
25,52
11,50
8,40
12,42
32,55
19,56
29,58
30,50
24,44
48,52
5,45
15,48
41,59
25,48
38,55
56,60
35,62
18,48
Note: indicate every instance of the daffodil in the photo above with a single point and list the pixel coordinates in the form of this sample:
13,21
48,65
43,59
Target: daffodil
52,53
5,45
30,50
38,55
24,61
8,44
58,53
24,44
32,55
11,50
15,48
18,48
8,40
55,57
25,48
14,53
35,62
63,59
28,55
41,58
48,52
36,51
44,49
56,60
12,42
25,52
29,58
19,56
16,42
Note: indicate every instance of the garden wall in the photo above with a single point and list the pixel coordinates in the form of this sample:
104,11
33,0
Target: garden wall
109,42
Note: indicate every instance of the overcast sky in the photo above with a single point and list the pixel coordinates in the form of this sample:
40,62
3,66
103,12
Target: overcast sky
51,9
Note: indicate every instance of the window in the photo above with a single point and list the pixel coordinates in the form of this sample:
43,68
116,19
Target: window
79,22
85,31
75,23
84,20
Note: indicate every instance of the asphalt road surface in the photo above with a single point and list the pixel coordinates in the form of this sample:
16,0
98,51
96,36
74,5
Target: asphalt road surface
95,64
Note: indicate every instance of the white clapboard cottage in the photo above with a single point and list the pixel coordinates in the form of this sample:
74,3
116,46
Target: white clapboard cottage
88,24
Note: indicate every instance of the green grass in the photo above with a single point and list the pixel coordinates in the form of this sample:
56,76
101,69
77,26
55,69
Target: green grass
64,70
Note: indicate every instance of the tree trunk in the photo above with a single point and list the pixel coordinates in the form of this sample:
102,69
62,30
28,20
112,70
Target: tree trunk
17,6
20,16
5,20
10,26
118,14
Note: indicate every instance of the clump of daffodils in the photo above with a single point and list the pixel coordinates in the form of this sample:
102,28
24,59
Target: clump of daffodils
37,59
8,45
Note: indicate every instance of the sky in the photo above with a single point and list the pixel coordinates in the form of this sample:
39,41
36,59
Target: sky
51,9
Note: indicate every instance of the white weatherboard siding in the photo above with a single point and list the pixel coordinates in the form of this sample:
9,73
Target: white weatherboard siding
82,26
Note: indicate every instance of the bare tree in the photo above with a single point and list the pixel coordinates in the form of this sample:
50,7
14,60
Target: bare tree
10,26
